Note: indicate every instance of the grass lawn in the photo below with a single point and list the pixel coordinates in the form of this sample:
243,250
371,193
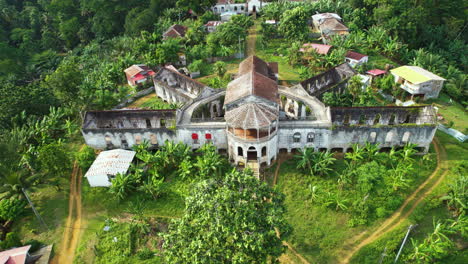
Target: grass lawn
99,205
452,111
430,210
320,233
52,205
268,53
150,101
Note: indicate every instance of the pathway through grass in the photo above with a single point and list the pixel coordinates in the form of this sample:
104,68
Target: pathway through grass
406,209
72,231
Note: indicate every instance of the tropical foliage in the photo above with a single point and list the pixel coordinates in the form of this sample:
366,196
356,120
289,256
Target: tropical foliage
235,218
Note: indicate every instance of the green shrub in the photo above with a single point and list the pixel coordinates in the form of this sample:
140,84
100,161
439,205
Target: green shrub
11,240
85,157
145,254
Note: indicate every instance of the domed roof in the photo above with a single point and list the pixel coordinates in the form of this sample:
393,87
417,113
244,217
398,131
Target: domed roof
251,116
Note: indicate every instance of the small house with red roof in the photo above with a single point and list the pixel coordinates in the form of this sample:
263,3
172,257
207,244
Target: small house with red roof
319,48
376,72
138,74
175,31
353,58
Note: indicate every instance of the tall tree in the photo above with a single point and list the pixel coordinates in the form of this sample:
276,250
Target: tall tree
237,219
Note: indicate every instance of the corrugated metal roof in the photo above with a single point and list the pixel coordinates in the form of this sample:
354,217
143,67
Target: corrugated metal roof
415,74
111,162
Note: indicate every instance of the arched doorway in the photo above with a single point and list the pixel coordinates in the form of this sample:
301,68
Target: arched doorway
252,153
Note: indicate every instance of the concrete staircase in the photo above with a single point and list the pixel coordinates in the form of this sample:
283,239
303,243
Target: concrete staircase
255,167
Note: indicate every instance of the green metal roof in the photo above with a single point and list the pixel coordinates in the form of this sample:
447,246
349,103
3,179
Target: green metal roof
415,74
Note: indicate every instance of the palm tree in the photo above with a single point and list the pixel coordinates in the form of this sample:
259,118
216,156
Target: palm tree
122,186
407,153
220,68
356,155
456,198
304,159
321,162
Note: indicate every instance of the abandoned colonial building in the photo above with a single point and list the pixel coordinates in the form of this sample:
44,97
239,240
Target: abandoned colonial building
255,118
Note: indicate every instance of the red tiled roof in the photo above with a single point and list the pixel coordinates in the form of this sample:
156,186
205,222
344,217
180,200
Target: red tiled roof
319,48
376,72
354,55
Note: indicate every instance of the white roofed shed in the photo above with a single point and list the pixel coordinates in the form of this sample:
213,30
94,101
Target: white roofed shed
108,164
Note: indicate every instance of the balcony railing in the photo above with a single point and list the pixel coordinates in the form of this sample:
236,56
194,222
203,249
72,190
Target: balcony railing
202,120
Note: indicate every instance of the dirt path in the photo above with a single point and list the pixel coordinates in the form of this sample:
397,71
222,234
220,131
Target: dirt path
251,40
73,230
285,258
403,212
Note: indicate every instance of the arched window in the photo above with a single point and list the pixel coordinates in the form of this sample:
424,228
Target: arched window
154,139
264,151
392,120
346,120
108,141
148,123
240,151
124,141
389,137
372,137
162,122
235,8
310,137
362,119
406,137
297,137
377,119
407,119
138,139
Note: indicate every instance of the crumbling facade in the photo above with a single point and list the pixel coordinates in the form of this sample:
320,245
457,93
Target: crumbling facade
255,118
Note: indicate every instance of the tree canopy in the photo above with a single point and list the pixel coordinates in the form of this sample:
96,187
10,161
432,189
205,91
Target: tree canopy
233,219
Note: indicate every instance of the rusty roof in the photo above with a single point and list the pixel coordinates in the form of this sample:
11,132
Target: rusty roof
251,116
175,30
354,55
252,83
254,63
332,24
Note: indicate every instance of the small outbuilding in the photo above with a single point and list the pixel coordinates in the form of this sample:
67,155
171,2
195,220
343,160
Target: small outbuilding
376,72
211,26
175,31
354,59
138,74
418,81
107,165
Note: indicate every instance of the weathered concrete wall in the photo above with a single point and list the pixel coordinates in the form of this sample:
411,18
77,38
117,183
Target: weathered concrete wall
126,138
218,136
306,137
342,138
270,145
382,115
